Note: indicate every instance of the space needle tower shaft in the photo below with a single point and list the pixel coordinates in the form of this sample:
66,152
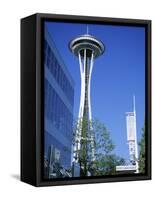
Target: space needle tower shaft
86,48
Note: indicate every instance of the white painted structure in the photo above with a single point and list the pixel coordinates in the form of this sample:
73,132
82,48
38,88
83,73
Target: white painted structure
132,136
126,168
86,48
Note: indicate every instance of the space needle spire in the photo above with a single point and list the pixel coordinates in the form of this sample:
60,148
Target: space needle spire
87,48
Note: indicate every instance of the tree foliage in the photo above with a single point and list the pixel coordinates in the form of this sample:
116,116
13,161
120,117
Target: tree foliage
142,153
105,160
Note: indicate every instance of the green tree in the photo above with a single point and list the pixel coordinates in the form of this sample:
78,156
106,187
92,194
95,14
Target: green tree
81,136
142,153
105,160
106,165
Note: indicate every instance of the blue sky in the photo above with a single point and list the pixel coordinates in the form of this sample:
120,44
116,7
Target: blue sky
117,75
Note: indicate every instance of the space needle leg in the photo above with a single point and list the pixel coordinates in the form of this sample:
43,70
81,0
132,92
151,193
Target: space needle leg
82,63
90,113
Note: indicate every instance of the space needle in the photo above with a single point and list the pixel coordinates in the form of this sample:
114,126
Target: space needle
87,48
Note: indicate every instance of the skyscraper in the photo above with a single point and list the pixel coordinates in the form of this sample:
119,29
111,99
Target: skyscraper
58,103
133,167
132,136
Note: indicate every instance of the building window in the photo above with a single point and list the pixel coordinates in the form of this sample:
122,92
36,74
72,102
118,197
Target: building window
56,111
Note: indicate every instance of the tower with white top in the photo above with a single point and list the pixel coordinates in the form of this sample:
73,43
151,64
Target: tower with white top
86,47
133,167
132,136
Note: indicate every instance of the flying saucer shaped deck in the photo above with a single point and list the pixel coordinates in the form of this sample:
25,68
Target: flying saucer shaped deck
89,42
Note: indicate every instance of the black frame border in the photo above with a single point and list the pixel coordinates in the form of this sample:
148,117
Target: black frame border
40,96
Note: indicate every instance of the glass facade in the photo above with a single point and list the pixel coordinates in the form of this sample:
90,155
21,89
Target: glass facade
56,111
58,104
58,73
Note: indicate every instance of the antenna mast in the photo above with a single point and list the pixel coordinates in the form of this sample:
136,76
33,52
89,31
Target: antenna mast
134,106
